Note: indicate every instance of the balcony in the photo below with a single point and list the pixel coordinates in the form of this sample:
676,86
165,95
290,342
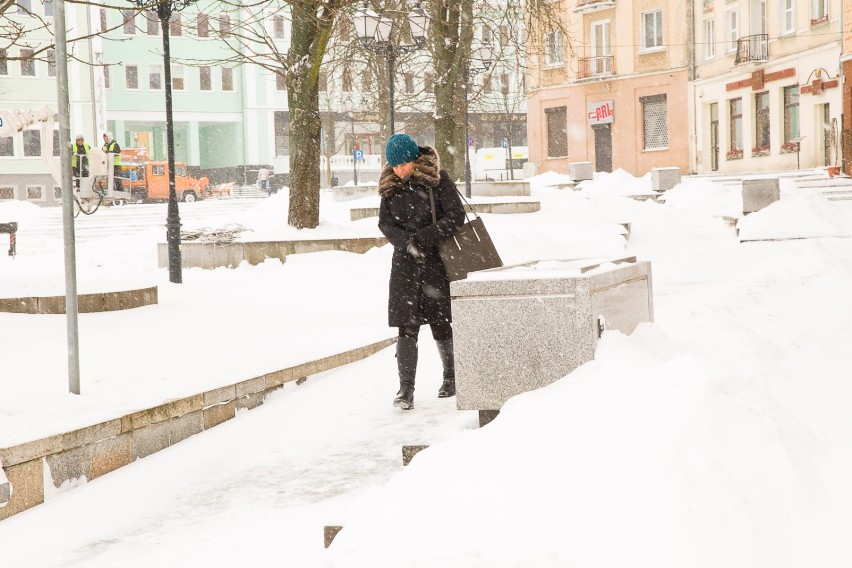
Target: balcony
596,67
588,6
752,48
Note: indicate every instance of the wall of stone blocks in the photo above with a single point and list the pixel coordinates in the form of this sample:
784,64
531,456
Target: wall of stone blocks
96,450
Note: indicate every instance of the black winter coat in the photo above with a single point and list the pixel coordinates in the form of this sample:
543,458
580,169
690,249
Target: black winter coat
419,292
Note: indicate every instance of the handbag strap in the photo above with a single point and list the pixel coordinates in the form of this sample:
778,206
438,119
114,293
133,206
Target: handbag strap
432,204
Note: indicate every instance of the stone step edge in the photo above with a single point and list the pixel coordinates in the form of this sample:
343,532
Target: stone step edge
95,450
86,303
497,208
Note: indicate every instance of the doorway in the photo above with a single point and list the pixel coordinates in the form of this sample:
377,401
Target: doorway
603,147
714,137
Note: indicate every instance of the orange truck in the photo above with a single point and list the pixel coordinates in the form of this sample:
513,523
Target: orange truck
149,180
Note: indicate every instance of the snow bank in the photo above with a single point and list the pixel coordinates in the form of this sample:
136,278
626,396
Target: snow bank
796,216
720,200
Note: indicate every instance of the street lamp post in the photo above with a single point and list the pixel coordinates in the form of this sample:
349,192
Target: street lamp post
165,9
375,33
485,54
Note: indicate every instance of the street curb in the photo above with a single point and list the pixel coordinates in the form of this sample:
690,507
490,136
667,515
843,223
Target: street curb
86,303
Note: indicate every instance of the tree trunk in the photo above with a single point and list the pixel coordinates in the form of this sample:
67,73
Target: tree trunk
311,31
451,34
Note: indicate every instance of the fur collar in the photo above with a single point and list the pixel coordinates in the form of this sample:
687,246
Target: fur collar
427,172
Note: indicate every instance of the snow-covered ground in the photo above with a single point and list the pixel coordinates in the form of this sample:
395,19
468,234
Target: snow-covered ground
718,435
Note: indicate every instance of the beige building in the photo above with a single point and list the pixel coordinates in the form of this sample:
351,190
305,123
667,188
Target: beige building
766,92
610,87
846,71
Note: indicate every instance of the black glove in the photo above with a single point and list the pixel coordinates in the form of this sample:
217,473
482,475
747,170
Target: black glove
418,255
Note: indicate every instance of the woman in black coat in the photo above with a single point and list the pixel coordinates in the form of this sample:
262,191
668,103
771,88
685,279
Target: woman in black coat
419,290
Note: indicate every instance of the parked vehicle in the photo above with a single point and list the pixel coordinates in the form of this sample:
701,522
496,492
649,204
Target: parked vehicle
149,180
493,164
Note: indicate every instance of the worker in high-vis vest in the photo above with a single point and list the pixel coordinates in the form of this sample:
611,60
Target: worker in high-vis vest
80,165
112,147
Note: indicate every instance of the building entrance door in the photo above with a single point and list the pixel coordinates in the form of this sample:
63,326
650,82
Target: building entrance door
603,147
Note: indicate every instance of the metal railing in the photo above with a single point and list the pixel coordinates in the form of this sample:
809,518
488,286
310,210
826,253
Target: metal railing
601,66
752,48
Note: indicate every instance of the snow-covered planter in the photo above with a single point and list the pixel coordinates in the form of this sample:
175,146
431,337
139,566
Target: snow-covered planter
734,155
759,151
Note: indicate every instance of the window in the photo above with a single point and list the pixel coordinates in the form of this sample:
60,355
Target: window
152,23
131,77
429,83
224,25
103,15
486,35
553,48
204,81
202,25
655,122
732,28
557,132
761,120
282,133
409,83
504,35
791,113
28,68
788,16
346,80
25,6
709,38
278,27
652,30
48,8
178,82
56,143
280,81
4,63
158,170
51,63
323,81
129,25
57,193
7,146
367,80
601,64
175,25
504,84
227,79
106,76
32,143
35,193
155,76
735,135
486,84
7,192
819,11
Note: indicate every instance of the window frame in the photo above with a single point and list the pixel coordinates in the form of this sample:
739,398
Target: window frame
710,38
29,61
554,49
209,70
202,25
230,72
178,72
151,74
556,151
792,113
762,120
11,145
648,140
785,9
127,68
735,126
128,22
224,20
658,31
32,132
40,188
4,62
732,32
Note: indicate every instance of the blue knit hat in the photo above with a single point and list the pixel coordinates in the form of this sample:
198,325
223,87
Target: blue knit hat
401,149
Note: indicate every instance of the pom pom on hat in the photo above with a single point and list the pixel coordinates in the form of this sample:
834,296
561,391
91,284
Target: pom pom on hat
401,149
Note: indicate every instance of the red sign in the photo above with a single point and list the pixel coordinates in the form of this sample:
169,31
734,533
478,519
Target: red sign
600,112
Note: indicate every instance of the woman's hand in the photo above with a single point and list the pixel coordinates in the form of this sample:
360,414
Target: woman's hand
418,255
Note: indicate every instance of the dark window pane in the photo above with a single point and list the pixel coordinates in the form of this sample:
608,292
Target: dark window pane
557,131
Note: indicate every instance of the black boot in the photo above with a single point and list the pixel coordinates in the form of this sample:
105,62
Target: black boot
448,387
406,362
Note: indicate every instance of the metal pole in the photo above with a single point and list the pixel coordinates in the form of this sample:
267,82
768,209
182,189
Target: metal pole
354,161
391,56
64,111
467,189
173,216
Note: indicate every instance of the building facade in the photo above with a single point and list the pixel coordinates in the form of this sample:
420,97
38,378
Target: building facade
609,86
767,91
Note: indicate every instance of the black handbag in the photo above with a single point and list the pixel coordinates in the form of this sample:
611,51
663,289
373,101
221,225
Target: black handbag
469,249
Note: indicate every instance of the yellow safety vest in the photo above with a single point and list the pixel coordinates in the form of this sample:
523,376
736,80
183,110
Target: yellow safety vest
108,148
74,155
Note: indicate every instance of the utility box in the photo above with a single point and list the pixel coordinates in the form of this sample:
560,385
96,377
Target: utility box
579,171
758,193
519,328
663,179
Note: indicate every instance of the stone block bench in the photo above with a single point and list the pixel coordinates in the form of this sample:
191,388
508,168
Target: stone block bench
86,303
92,451
500,208
500,188
519,328
230,255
